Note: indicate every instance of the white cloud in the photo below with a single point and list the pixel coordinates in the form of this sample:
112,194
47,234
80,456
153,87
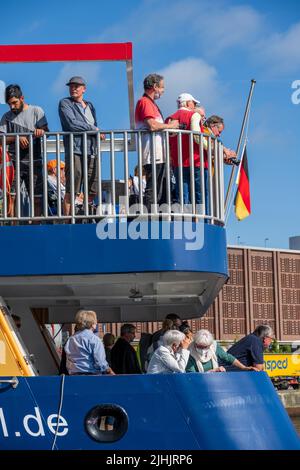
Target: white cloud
89,71
230,27
211,28
279,52
197,77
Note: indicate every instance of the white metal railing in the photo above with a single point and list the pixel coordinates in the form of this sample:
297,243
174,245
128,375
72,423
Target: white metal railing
121,151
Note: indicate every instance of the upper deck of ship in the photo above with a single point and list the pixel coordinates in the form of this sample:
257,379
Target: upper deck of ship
122,260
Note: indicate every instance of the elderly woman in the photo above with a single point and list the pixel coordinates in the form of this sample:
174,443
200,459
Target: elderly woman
205,354
172,356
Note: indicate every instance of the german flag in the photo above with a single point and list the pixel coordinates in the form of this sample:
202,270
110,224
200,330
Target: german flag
242,197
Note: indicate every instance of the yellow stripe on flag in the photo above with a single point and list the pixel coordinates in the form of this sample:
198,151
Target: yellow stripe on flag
241,210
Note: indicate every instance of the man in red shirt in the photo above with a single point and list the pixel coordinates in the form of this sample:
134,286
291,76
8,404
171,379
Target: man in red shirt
149,117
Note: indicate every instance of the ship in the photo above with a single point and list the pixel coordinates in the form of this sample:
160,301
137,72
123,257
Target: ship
127,267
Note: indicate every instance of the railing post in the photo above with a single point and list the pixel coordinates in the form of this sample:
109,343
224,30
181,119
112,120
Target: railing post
168,173
17,178
192,172
31,177
72,190
140,163
211,199
58,174
4,181
180,170
85,176
154,185
202,171
112,173
45,177
216,178
221,182
99,173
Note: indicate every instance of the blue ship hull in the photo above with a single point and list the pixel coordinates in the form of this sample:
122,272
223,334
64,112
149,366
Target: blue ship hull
181,411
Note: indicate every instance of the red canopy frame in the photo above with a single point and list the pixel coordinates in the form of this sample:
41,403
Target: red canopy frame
74,53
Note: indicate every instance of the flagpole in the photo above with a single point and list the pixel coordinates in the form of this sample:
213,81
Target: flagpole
231,180
240,165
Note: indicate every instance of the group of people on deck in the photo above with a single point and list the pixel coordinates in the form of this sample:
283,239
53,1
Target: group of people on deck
190,116
77,115
172,349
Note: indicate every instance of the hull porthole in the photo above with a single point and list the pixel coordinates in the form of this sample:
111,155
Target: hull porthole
106,423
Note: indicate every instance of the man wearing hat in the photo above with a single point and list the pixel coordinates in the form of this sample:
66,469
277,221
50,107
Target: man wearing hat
189,114
79,115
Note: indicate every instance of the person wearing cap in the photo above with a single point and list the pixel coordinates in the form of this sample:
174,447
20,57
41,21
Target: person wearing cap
189,114
24,118
149,117
52,181
78,115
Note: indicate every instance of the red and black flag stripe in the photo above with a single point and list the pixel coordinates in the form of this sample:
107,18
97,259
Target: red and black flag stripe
242,197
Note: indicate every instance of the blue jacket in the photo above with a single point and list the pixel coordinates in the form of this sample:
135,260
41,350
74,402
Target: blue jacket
73,120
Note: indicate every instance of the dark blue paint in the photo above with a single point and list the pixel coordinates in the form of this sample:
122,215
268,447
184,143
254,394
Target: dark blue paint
75,249
179,411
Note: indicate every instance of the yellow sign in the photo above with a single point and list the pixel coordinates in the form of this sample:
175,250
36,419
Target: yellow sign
12,360
282,364
8,363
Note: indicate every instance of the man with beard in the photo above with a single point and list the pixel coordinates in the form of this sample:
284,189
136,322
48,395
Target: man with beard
24,118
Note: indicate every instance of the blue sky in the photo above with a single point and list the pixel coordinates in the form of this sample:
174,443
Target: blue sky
211,50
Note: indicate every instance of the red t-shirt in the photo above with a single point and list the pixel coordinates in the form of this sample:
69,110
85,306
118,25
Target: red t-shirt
146,109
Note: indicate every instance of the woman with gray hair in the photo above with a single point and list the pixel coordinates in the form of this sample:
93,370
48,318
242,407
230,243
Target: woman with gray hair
205,354
172,356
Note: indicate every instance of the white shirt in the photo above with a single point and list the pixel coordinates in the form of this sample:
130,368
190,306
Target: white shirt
165,361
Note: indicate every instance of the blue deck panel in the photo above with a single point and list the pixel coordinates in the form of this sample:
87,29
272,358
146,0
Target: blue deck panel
178,411
76,249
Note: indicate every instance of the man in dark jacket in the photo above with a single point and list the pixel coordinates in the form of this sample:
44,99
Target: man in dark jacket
123,356
78,115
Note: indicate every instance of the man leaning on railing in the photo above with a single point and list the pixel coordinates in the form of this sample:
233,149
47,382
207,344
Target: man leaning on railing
214,125
24,118
78,115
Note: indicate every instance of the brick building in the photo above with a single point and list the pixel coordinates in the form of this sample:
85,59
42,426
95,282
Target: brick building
264,287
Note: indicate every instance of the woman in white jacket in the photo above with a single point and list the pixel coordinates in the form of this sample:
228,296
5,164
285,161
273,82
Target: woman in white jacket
172,356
